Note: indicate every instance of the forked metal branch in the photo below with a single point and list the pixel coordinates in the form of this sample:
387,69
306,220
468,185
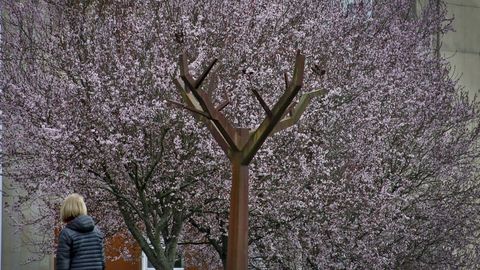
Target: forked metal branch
278,110
221,123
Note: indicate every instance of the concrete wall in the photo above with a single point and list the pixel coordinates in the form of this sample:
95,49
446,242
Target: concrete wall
15,248
462,47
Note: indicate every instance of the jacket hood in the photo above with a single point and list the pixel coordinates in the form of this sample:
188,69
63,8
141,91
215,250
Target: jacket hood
81,223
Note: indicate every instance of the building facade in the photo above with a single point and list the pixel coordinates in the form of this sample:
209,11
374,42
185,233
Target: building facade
462,46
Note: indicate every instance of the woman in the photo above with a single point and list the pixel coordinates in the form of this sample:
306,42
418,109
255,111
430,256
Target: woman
80,244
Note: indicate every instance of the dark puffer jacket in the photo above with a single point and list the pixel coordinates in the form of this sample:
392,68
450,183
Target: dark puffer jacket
80,246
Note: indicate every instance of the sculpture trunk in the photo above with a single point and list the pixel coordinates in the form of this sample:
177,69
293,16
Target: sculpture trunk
237,252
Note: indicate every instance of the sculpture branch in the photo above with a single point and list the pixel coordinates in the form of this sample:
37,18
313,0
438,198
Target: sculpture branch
268,124
223,105
202,77
193,110
191,84
285,76
262,103
193,103
289,110
298,110
221,123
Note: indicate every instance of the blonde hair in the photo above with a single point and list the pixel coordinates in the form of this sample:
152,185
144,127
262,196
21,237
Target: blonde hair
72,207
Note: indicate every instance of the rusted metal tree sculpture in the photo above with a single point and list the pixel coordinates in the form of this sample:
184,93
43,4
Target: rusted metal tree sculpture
241,144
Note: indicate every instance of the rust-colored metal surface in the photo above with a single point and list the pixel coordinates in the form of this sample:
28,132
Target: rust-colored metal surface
241,144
